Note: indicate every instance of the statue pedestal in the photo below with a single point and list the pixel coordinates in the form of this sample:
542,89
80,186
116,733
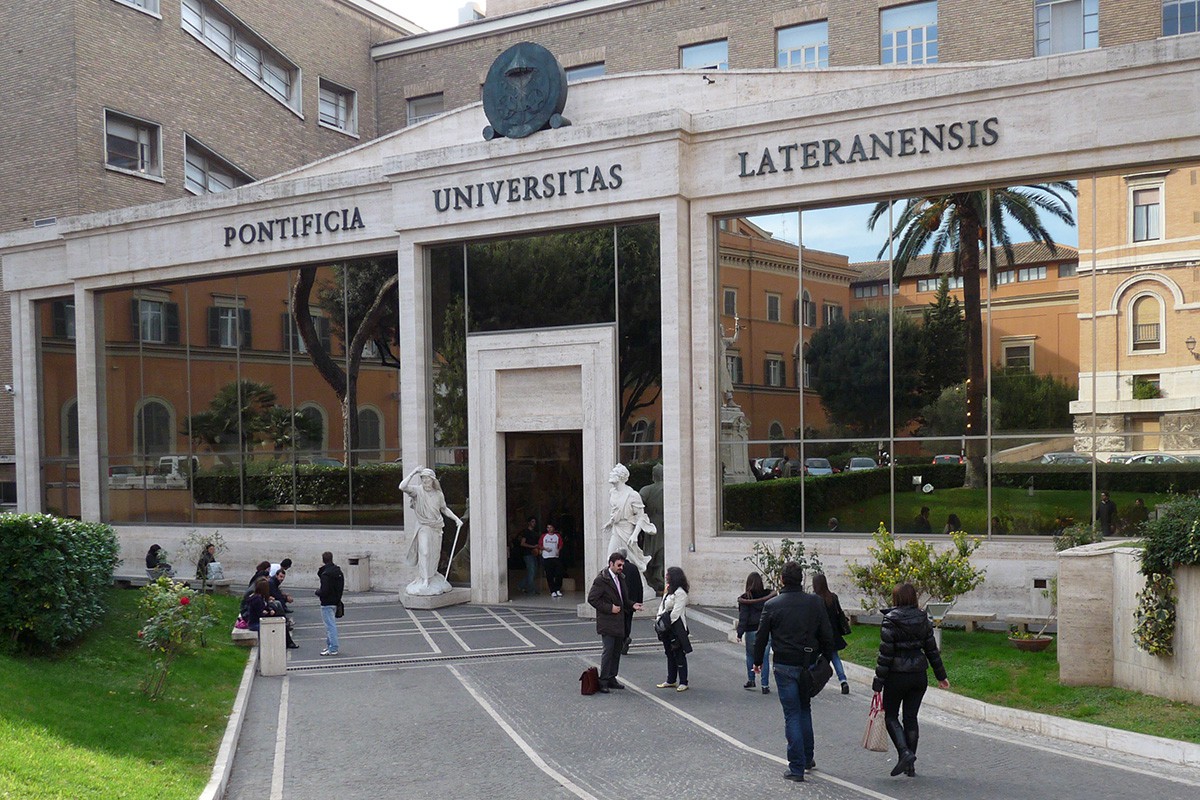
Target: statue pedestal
454,597
735,452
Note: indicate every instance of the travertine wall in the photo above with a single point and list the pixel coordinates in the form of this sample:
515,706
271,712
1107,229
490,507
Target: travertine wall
1097,589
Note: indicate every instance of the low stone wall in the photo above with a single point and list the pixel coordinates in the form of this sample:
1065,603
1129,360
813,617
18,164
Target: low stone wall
1097,590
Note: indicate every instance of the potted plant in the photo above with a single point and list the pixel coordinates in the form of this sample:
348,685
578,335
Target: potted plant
1037,642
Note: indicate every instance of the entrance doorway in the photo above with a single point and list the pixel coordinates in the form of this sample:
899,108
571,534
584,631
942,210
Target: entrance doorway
543,473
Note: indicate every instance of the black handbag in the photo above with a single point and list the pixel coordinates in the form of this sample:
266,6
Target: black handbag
844,625
662,625
341,610
819,674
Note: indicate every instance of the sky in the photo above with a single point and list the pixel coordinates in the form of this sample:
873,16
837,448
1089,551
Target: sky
432,15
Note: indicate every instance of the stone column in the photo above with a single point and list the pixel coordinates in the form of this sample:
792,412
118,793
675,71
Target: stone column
1085,616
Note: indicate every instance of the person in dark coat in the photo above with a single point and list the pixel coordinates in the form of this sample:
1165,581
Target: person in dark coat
833,607
637,594
333,583
257,605
1106,515
920,523
610,597
906,651
798,629
750,605
156,563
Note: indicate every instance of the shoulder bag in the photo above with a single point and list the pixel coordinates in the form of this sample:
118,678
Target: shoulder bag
875,737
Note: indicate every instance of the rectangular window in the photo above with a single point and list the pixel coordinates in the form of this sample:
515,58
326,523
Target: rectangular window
803,46
773,370
909,34
229,38
809,309
427,107
709,55
1018,358
584,71
730,304
807,374
1064,26
1008,276
1180,16
149,6
774,304
205,172
132,145
293,341
1068,270
229,326
931,284
1031,274
155,321
63,313
734,364
867,291
337,107
1147,214
833,313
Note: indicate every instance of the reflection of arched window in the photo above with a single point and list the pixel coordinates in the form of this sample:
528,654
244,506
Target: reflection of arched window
637,437
370,433
153,428
313,439
775,434
809,309
1146,322
70,429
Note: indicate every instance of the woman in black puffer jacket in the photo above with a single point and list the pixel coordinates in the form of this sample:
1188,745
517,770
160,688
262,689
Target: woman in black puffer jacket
906,651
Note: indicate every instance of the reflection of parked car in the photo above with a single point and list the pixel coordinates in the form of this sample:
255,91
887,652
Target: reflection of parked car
947,459
177,466
1119,458
122,471
319,461
1154,458
766,468
1065,458
817,466
860,463
1191,459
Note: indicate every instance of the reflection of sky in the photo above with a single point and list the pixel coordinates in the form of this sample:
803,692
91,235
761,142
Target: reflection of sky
844,230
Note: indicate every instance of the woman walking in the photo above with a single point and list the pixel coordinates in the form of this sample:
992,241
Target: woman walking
750,606
837,619
906,651
675,641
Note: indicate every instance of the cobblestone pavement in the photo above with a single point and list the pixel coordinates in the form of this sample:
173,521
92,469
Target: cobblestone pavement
483,702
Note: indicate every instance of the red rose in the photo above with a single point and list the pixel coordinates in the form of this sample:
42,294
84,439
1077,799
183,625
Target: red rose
183,601
141,634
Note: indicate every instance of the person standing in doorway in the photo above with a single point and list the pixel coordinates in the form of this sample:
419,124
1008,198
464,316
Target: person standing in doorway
610,597
796,625
906,651
529,540
750,605
1106,515
333,583
551,545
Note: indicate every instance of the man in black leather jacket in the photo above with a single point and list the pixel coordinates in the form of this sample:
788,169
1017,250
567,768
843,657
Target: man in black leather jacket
798,628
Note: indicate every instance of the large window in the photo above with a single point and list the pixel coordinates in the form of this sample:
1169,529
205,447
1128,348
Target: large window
338,107
709,55
1147,213
1147,323
204,171
909,34
423,108
1180,16
155,433
1064,26
229,38
803,46
132,145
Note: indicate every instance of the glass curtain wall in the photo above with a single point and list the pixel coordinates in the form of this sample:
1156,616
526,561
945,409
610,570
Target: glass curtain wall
988,360
60,408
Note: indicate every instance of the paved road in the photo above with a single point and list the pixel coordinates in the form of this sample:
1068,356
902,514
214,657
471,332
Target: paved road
483,703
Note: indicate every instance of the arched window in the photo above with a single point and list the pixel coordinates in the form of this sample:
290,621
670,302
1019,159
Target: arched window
637,437
154,428
70,428
775,434
809,309
370,434
312,440
1146,323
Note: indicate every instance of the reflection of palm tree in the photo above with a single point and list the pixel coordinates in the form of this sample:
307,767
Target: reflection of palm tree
958,224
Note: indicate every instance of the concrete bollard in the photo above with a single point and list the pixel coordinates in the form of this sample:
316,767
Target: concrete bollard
272,646
358,572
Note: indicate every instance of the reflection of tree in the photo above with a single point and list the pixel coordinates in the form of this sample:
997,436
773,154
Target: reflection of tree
640,340
957,224
849,361
286,429
943,345
360,298
234,418
450,379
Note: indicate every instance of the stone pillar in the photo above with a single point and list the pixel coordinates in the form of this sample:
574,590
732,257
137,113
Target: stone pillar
1085,616
735,451
272,646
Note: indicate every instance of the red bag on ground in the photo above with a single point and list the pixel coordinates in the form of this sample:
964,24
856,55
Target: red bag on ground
589,681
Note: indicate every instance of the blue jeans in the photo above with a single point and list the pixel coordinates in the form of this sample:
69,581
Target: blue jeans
748,637
330,620
529,585
838,668
791,684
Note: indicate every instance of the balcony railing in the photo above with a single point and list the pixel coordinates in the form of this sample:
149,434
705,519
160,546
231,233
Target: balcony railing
1145,337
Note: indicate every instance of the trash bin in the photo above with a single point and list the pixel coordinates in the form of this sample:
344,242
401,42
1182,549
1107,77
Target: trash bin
272,646
358,572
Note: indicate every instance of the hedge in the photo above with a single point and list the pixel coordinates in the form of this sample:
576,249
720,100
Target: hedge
374,484
55,573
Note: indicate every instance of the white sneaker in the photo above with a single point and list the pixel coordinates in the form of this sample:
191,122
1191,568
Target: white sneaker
328,652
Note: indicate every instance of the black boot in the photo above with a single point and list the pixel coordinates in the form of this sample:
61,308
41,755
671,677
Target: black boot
291,645
912,737
905,757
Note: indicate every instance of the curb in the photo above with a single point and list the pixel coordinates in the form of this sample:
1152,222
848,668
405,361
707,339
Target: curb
223,766
1068,730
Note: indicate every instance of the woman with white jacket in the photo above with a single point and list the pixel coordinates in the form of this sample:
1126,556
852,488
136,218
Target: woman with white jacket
675,640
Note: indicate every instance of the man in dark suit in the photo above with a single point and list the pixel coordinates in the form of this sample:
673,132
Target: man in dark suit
609,595
798,628
633,582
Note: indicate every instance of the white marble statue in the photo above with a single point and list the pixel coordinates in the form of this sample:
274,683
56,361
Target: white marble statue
726,376
627,520
429,505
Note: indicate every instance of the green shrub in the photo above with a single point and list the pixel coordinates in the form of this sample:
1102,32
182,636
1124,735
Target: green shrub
279,484
55,572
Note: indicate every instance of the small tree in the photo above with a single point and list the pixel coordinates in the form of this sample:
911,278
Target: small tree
197,542
936,576
178,618
769,561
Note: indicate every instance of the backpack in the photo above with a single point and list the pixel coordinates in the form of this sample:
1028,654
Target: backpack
589,681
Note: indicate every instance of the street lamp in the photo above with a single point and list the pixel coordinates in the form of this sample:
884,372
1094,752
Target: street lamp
1191,346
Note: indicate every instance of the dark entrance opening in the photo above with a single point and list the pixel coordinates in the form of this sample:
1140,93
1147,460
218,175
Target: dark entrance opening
544,476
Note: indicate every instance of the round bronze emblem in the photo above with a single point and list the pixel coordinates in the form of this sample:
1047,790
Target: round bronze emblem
525,91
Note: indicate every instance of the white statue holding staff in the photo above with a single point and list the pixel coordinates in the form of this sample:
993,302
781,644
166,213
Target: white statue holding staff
628,519
429,505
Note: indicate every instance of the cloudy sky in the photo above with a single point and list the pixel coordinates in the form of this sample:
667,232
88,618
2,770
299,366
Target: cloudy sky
431,15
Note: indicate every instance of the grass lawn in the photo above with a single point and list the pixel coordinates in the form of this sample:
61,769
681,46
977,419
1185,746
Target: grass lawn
76,725
984,666
971,507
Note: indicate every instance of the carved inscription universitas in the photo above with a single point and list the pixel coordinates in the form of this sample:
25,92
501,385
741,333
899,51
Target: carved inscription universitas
899,143
528,188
